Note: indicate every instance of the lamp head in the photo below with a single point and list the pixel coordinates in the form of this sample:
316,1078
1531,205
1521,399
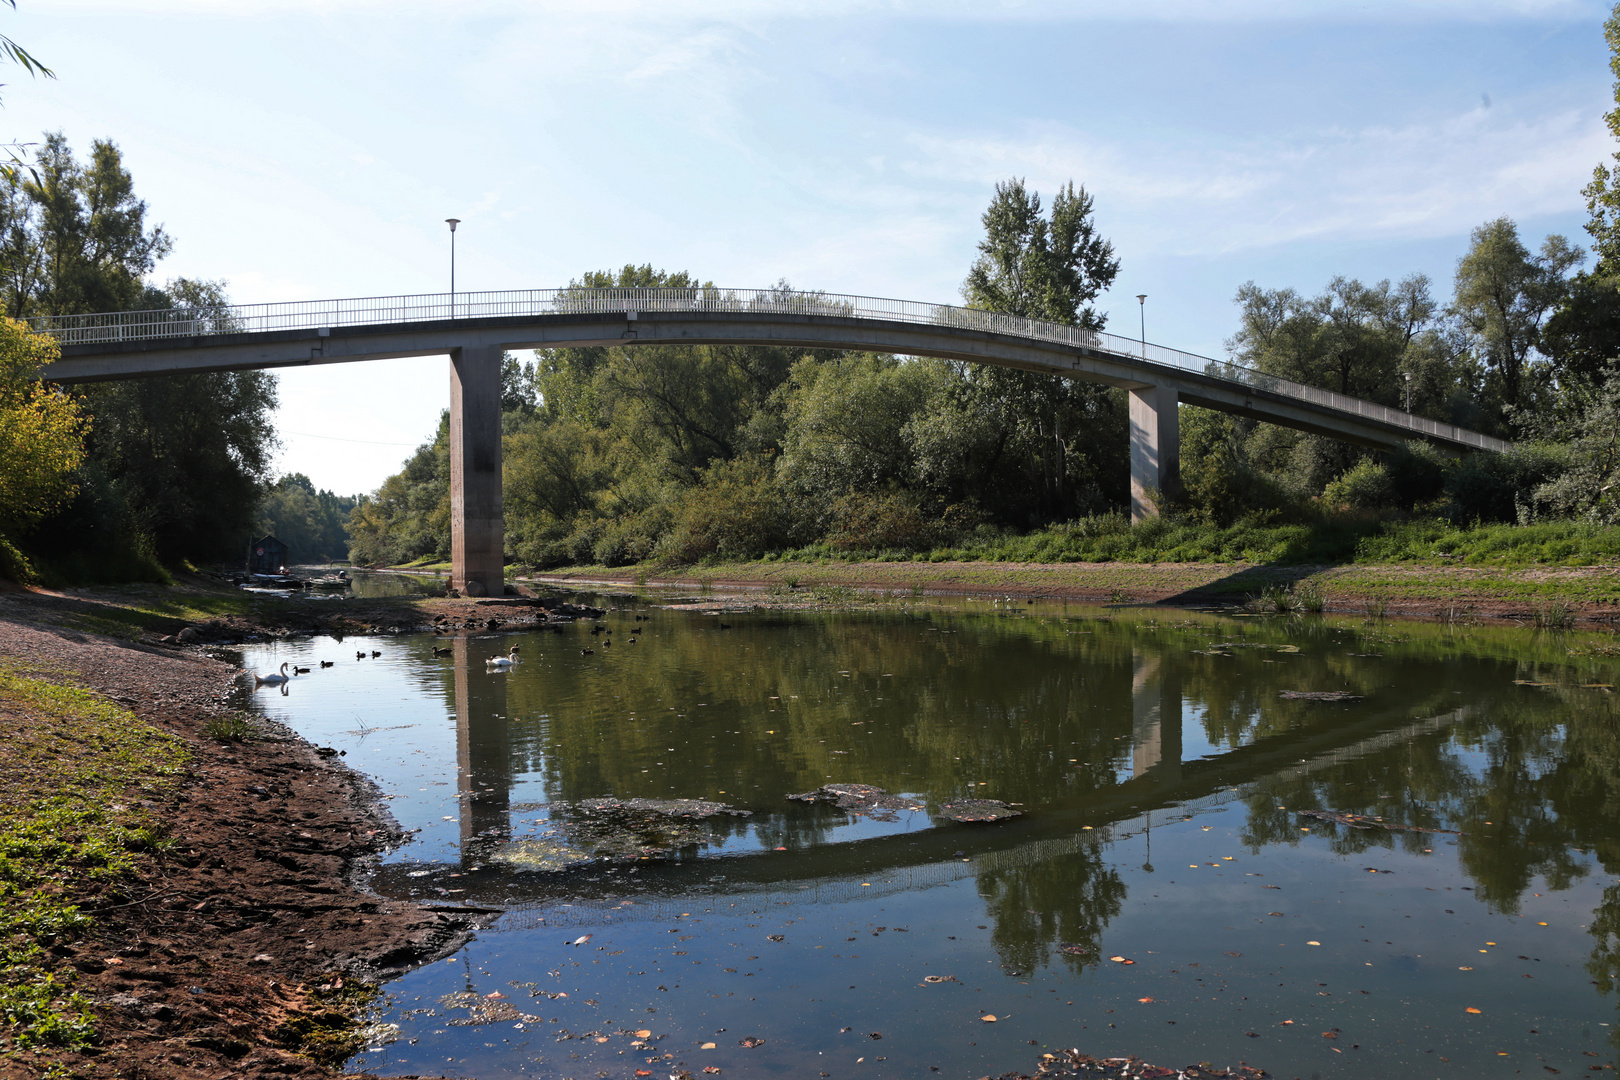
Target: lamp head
452,222
1141,298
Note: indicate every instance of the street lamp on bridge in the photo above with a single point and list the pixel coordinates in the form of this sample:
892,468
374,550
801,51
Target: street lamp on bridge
452,222
1141,302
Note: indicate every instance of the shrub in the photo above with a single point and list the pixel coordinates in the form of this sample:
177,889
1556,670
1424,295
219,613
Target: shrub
737,512
1363,487
894,521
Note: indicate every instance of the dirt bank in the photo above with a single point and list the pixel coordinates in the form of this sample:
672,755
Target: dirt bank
231,946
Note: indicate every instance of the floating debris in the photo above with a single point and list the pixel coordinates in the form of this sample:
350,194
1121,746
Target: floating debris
976,810
861,799
1362,821
1319,695
1074,1063
492,1010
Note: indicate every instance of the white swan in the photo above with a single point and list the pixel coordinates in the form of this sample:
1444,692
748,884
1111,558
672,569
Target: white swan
504,661
270,680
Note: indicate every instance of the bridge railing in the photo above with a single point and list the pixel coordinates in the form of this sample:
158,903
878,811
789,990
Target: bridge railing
179,323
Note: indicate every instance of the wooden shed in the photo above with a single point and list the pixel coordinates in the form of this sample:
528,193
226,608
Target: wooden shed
266,555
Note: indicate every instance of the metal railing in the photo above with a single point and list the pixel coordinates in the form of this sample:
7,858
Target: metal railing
174,323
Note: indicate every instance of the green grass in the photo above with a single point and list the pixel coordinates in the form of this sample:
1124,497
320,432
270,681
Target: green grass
77,767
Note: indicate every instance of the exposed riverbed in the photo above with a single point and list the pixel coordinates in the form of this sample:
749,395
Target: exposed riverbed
1160,772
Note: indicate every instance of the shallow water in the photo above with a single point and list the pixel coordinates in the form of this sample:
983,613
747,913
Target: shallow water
1160,772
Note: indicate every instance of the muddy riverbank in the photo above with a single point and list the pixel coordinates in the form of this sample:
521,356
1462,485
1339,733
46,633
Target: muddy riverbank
229,950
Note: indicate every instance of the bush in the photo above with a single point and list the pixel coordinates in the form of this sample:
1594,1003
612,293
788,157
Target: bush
1489,487
1363,487
737,512
895,521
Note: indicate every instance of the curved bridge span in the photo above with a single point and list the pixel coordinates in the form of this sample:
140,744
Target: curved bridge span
474,329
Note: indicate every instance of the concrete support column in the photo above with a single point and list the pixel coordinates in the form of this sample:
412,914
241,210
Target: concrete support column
1155,450
477,525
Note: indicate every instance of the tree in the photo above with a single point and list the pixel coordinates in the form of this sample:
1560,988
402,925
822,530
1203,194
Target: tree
41,433
1050,268
1041,268
75,238
1603,193
1503,294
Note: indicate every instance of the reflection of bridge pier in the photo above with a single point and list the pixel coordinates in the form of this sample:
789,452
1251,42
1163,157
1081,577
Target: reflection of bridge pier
483,753
1155,720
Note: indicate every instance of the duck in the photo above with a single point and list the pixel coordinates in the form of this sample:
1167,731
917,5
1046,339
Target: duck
359,656
504,661
270,680
440,652
300,671
375,654
587,652
327,663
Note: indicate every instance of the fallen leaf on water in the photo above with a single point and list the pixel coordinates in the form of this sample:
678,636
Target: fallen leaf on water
582,939
1465,969
1313,943
711,1069
988,1018
494,994
1471,1009
644,1033
1287,1022
601,1038
1145,1001
643,1072
1121,960
707,1046
1330,1035
775,937
939,978
751,1042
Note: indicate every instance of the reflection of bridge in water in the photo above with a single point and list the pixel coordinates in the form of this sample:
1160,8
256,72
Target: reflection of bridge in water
1159,780
476,329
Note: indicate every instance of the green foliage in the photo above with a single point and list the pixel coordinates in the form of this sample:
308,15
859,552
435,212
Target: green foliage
69,821
1503,295
41,432
1503,487
737,512
313,524
409,516
1603,193
1365,487
172,466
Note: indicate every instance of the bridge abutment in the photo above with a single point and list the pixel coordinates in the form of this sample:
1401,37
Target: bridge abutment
477,522
1155,449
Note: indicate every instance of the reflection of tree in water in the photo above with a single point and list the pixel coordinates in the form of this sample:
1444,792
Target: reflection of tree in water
1042,906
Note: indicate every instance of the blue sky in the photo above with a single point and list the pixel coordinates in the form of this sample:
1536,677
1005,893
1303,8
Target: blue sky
304,150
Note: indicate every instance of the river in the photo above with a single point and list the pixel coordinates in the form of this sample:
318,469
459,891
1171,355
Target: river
1160,895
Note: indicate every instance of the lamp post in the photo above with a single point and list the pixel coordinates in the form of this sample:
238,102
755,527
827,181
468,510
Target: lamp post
1141,302
452,222
1408,376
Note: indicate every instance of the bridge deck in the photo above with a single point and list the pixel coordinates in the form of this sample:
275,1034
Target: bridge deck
133,344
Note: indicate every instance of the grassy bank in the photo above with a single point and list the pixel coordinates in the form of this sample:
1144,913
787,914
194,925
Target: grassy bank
78,769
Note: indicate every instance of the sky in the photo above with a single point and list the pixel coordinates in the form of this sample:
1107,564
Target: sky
311,149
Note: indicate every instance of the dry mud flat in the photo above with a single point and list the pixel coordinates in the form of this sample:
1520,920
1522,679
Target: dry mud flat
233,946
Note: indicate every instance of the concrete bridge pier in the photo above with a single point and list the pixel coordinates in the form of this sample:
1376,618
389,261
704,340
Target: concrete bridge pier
1155,449
477,524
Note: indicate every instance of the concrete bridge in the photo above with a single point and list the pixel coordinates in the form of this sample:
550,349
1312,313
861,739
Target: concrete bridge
475,329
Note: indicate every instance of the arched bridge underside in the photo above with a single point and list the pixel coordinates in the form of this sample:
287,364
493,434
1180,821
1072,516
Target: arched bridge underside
475,329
